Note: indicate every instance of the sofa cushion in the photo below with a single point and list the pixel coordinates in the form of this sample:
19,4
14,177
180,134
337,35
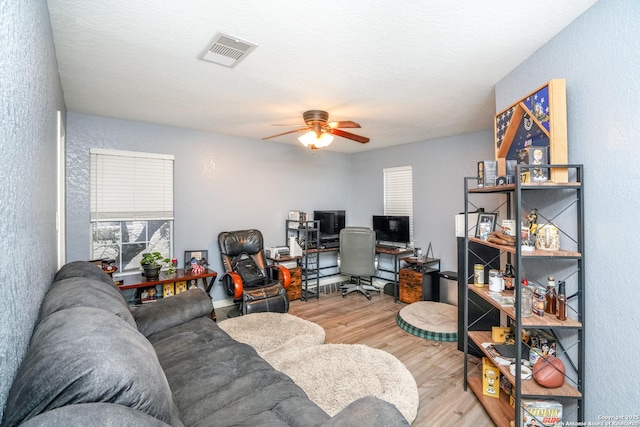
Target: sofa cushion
216,380
83,269
85,292
82,355
368,410
169,312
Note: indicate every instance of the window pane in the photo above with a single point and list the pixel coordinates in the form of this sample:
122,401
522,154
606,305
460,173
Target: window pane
105,240
160,237
106,251
126,241
132,254
134,231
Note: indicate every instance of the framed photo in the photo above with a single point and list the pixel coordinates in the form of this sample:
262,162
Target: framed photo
201,256
486,224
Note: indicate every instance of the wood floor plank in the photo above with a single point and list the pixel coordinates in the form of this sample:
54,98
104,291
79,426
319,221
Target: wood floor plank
436,366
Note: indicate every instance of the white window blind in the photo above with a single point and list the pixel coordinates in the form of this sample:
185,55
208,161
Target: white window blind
127,186
398,193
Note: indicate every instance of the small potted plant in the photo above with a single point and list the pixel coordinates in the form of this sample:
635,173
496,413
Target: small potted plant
152,262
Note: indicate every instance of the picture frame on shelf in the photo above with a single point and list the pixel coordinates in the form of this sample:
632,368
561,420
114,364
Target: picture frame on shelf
486,224
201,256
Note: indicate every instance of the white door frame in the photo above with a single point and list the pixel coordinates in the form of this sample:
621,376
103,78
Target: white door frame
61,192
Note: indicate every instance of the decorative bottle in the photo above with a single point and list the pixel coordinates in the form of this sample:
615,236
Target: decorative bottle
561,314
508,277
551,297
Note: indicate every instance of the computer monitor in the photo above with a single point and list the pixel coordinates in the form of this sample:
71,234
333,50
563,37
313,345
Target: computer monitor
331,222
391,229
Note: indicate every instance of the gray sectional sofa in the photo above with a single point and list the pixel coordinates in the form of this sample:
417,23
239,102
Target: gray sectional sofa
93,361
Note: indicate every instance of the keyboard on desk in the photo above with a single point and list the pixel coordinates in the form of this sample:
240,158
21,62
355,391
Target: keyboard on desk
331,245
390,248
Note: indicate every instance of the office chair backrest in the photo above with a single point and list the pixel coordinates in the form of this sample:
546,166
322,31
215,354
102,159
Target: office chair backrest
234,243
357,251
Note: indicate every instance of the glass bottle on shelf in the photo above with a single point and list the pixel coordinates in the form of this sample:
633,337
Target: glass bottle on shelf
561,314
551,297
526,300
508,277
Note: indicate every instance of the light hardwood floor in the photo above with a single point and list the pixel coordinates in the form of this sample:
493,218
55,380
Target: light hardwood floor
436,366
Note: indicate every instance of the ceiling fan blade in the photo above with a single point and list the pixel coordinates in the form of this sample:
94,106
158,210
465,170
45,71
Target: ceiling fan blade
288,132
344,124
349,135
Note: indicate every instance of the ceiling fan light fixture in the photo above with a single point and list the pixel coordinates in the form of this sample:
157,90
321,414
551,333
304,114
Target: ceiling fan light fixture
311,140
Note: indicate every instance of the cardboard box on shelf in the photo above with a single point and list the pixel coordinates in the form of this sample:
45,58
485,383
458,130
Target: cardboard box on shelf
546,413
542,344
490,378
487,173
499,334
533,155
473,221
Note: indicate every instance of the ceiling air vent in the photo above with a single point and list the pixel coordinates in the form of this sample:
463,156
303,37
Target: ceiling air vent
227,50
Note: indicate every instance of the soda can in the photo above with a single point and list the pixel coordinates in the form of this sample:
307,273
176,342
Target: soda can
478,275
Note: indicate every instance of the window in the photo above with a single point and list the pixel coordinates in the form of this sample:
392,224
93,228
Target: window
131,206
398,193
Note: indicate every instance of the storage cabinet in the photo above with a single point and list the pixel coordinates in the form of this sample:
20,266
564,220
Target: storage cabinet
562,205
294,291
419,285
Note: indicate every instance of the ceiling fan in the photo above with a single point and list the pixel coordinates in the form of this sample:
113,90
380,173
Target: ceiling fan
320,130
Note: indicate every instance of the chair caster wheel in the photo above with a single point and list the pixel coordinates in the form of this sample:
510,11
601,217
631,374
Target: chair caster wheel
344,295
369,297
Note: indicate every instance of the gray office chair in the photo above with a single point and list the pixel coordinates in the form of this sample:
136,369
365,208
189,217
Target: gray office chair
357,258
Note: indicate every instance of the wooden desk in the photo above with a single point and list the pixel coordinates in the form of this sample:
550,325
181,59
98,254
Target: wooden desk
134,281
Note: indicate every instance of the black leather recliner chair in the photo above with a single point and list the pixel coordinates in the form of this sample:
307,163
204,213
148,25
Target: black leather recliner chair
263,287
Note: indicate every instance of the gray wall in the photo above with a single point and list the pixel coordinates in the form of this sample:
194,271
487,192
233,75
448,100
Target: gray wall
598,55
221,182
439,167
30,96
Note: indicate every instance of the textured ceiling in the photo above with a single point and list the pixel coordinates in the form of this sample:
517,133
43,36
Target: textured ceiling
408,71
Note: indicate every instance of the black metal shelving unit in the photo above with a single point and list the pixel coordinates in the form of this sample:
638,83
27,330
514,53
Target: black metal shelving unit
307,233
562,205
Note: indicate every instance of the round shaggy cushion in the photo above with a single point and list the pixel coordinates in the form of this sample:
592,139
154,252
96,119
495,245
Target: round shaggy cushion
431,320
273,332
334,375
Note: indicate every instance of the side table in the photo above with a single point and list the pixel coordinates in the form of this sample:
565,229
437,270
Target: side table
172,283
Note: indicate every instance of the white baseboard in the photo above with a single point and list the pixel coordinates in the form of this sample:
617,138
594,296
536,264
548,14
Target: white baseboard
223,303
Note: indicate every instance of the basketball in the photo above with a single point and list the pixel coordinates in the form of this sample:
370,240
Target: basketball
549,371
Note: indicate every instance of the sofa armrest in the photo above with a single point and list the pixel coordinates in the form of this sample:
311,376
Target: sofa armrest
281,270
368,411
172,311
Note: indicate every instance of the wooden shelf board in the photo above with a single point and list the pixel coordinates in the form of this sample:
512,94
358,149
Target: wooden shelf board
529,387
528,186
535,321
498,409
536,253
